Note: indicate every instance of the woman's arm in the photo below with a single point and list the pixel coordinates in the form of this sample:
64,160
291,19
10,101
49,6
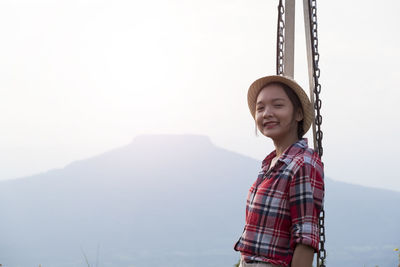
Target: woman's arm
303,256
306,193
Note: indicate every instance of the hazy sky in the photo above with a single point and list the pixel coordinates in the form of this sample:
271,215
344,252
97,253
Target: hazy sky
81,77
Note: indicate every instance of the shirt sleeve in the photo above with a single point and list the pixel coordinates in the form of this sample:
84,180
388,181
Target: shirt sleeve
306,192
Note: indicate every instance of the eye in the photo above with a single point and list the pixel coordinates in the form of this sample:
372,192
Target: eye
278,105
259,108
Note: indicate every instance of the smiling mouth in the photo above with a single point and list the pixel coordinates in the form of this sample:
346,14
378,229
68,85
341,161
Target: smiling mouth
270,124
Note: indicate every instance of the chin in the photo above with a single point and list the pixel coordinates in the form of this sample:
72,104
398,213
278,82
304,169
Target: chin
269,135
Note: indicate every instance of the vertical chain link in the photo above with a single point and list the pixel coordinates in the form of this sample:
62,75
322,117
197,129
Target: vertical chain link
280,39
318,118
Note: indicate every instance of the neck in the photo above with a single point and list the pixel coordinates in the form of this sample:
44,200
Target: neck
282,145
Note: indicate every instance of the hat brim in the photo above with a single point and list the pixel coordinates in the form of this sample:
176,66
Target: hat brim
258,85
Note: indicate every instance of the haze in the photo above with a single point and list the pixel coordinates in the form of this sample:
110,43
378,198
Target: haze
82,77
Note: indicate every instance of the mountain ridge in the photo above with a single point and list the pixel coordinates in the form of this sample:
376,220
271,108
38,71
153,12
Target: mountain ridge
180,190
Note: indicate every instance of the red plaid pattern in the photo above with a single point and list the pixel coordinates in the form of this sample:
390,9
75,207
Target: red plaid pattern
283,206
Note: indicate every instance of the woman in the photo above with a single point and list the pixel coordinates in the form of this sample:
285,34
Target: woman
284,202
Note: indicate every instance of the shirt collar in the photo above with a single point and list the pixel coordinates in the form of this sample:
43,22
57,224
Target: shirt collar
289,153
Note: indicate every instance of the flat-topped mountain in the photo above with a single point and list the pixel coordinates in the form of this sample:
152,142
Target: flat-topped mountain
173,199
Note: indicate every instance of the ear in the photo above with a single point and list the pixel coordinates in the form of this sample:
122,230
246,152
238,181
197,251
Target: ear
299,115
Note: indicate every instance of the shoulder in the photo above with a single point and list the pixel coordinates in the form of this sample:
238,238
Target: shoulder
301,160
311,159
307,168
305,157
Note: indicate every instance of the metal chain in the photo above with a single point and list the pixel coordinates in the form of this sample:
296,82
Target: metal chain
280,40
318,118
316,75
317,90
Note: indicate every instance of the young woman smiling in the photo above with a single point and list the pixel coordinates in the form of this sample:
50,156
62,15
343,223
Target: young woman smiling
281,226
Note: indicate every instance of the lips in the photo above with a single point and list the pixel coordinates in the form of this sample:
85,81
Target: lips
270,124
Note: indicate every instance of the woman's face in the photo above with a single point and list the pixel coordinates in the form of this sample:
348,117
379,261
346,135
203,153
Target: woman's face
275,116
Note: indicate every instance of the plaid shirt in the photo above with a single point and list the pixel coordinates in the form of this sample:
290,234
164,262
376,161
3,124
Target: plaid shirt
283,206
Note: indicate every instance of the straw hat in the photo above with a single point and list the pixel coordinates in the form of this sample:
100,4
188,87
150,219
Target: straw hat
259,84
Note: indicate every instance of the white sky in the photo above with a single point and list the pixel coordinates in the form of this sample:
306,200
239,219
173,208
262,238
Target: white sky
81,77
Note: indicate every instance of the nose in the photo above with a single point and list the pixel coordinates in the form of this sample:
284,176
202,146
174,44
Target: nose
267,112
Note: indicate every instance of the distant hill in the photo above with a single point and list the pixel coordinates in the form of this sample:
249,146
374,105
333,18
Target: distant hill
172,199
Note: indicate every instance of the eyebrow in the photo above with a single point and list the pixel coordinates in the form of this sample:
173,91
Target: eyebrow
273,100
277,99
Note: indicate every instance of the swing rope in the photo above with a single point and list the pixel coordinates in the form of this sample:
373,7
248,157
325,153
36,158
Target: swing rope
314,73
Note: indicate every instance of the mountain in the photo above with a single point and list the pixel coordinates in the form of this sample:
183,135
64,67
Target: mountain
170,200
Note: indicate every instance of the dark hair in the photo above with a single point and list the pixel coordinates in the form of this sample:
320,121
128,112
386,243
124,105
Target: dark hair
294,99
